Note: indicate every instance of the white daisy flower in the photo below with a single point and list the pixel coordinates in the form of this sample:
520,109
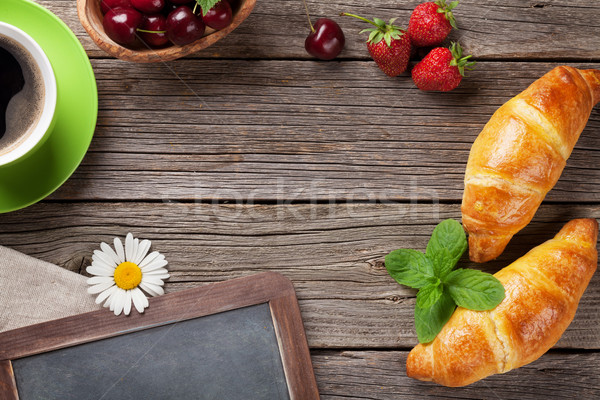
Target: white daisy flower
120,274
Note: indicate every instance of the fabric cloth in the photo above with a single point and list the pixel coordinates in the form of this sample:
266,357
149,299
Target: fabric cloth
33,291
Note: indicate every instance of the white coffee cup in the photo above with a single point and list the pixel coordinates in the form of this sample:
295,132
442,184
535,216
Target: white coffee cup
40,129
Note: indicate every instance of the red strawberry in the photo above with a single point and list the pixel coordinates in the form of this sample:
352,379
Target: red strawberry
431,22
442,69
388,45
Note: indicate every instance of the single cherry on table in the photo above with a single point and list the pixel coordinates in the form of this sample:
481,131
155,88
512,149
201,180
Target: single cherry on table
326,39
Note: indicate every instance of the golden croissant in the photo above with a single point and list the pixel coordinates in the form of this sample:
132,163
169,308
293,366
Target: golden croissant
542,289
519,155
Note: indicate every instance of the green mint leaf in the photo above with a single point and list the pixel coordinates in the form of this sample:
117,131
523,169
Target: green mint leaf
206,5
429,294
449,235
430,321
474,289
442,263
410,267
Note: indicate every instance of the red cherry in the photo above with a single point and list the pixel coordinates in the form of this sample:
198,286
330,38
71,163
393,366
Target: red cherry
326,41
219,16
156,23
181,2
183,26
172,5
148,6
120,25
107,5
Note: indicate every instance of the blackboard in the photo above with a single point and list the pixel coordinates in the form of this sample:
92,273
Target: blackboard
239,339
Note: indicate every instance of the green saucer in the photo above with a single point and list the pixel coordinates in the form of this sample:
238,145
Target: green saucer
35,177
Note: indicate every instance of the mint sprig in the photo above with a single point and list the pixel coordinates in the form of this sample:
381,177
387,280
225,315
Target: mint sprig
206,5
440,288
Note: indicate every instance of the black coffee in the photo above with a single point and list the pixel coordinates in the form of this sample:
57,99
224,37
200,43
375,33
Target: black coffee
21,94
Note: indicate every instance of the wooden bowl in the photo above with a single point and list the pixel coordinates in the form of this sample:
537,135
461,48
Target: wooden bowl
91,17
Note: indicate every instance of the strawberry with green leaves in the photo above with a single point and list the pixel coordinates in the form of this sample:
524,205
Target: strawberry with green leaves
431,22
388,45
442,69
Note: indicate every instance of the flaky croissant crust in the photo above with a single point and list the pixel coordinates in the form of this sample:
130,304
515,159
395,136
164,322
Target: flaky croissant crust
520,154
543,289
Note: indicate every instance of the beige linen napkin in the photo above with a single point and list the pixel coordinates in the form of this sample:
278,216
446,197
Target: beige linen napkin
33,291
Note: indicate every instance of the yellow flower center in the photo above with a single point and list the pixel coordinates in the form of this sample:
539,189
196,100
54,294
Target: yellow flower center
128,275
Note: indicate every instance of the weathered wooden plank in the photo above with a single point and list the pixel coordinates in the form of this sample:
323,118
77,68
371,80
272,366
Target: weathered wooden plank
258,130
508,29
333,253
379,375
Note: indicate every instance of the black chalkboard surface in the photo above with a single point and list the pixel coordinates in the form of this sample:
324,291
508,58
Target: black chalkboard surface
239,339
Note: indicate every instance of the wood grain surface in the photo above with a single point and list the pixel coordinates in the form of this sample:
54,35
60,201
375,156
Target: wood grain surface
517,29
377,375
251,156
332,253
7,382
300,131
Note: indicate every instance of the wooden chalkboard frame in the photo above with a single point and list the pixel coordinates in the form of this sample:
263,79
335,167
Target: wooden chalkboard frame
268,287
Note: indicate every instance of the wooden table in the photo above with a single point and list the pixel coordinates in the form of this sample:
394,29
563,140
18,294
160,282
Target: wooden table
251,156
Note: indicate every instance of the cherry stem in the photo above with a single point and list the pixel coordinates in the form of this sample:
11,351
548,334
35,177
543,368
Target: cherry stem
361,18
312,28
195,7
146,31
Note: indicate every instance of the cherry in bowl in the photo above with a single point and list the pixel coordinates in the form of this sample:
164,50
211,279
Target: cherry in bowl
120,24
184,27
218,17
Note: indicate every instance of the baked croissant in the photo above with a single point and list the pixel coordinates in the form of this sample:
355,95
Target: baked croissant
519,155
542,289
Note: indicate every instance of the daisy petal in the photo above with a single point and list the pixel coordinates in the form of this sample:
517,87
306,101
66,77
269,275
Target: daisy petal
138,300
99,287
110,252
129,247
159,276
94,270
104,295
100,263
120,298
119,250
157,271
111,300
152,280
149,258
148,289
99,279
144,299
136,246
105,258
142,251
156,264
155,290
127,305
